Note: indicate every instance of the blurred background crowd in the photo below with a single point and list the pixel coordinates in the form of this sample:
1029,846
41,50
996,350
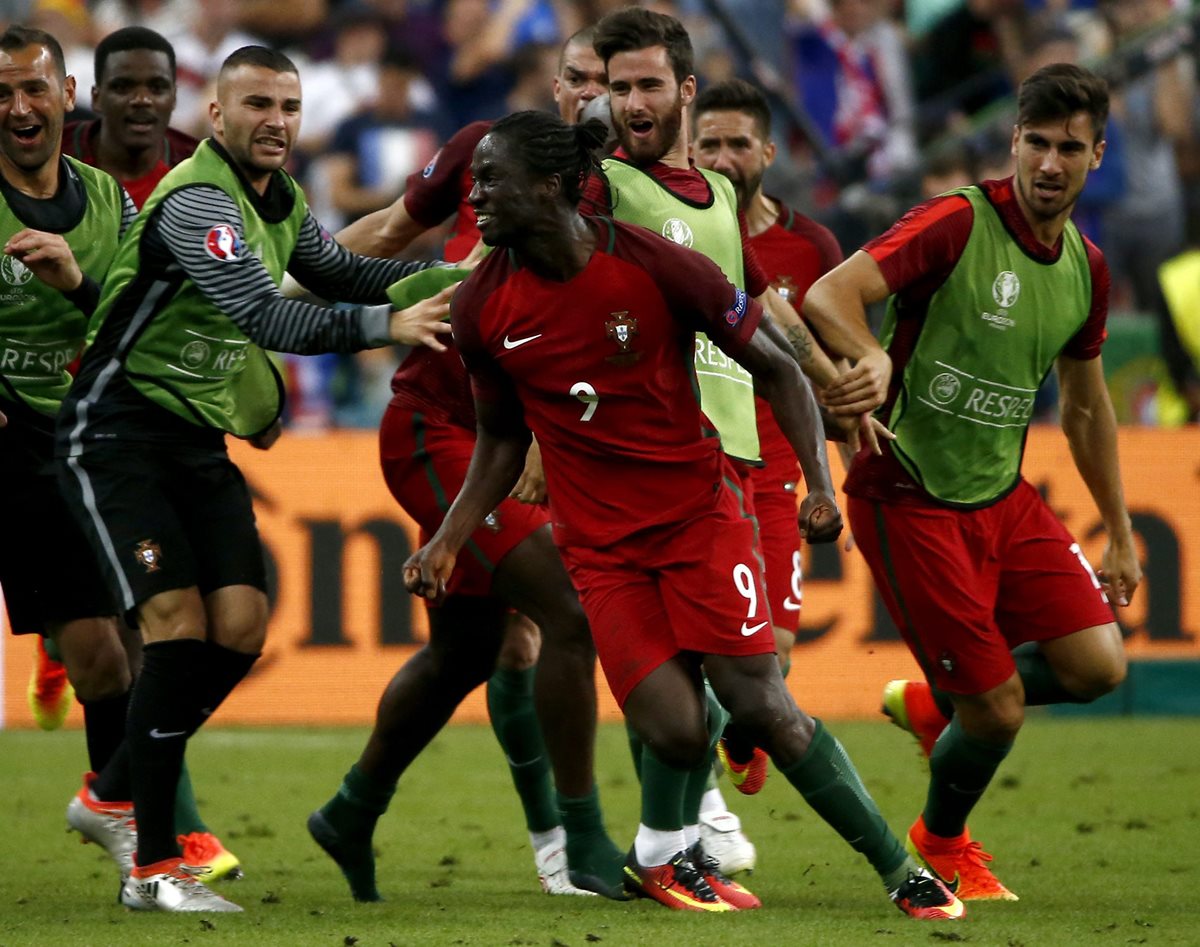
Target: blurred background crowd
877,103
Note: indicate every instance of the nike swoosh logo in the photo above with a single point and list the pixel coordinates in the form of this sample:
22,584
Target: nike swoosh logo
789,605
749,631
159,735
516,343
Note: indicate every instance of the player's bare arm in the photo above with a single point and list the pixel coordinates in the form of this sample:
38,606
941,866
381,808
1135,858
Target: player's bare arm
383,233
1090,424
778,379
500,446
836,305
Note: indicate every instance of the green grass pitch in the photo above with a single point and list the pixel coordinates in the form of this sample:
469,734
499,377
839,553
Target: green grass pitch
1094,822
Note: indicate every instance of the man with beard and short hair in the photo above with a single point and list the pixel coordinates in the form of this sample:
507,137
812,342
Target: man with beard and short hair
989,287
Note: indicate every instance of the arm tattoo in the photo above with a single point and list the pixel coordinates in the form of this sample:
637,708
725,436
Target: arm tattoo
801,342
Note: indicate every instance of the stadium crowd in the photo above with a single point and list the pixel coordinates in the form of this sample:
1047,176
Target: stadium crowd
874,105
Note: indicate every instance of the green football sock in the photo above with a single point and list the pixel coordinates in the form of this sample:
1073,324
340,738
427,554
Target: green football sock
590,851
663,788
960,769
1041,684
514,721
344,827
635,749
830,784
187,816
704,777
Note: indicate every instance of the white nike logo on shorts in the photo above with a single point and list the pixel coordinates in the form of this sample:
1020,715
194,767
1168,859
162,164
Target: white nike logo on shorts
749,631
514,343
790,605
159,735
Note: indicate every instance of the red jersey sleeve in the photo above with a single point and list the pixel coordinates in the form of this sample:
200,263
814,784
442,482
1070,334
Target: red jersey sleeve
757,281
433,194
918,252
1086,343
466,311
693,286
596,200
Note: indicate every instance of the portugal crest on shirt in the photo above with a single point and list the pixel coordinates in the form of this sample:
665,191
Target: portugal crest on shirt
622,329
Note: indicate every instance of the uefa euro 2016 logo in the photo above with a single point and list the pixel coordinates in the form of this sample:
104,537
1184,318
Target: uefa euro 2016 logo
223,243
14,271
1006,288
678,231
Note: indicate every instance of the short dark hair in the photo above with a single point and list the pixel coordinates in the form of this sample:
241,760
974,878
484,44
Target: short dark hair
1060,90
633,28
130,38
19,37
545,144
736,95
271,59
584,37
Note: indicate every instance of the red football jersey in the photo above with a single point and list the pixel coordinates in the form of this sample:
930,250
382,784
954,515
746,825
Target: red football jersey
604,367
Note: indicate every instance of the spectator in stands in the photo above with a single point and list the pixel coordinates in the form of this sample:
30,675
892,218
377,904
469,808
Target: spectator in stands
209,34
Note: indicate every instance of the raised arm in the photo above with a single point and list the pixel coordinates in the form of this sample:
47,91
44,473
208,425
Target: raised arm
1090,424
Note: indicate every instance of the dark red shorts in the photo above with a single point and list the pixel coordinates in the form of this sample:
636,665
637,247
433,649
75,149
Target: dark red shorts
424,464
690,586
965,587
775,485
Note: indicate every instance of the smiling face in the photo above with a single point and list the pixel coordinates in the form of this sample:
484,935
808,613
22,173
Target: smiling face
504,195
647,103
1053,161
33,101
135,97
256,118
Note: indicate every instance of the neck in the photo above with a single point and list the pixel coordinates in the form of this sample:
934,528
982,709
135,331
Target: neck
1047,231
123,163
40,183
761,213
558,252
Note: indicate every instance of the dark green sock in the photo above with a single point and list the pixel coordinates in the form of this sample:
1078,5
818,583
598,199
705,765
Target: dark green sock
514,721
344,827
1041,684
663,788
960,769
187,816
590,851
786,667
704,776
829,783
635,749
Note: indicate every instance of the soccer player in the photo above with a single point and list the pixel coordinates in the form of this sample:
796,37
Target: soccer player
131,140
650,181
176,362
645,508
989,287
425,442
60,222
733,137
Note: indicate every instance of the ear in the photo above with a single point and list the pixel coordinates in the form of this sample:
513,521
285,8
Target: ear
687,90
551,186
69,92
769,151
215,119
1015,139
1098,154
95,95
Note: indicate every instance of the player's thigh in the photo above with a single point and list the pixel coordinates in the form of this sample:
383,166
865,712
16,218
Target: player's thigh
48,569
123,503
1048,589
940,585
779,537
625,610
1090,662
217,514
711,576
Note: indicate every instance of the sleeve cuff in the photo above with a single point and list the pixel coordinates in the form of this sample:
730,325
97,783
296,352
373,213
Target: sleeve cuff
375,321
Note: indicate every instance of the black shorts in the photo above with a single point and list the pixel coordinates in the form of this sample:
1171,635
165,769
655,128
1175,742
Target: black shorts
164,519
47,568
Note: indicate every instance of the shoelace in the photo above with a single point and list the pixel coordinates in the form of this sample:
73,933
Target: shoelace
688,876
708,864
974,853
923,891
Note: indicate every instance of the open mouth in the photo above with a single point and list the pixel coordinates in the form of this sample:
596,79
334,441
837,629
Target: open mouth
27,133
271,143
1046,190
482,219
141,123
641,127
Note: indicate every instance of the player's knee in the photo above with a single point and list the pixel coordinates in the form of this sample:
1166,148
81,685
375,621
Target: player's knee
1097,681
100,671
680,747
994,718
